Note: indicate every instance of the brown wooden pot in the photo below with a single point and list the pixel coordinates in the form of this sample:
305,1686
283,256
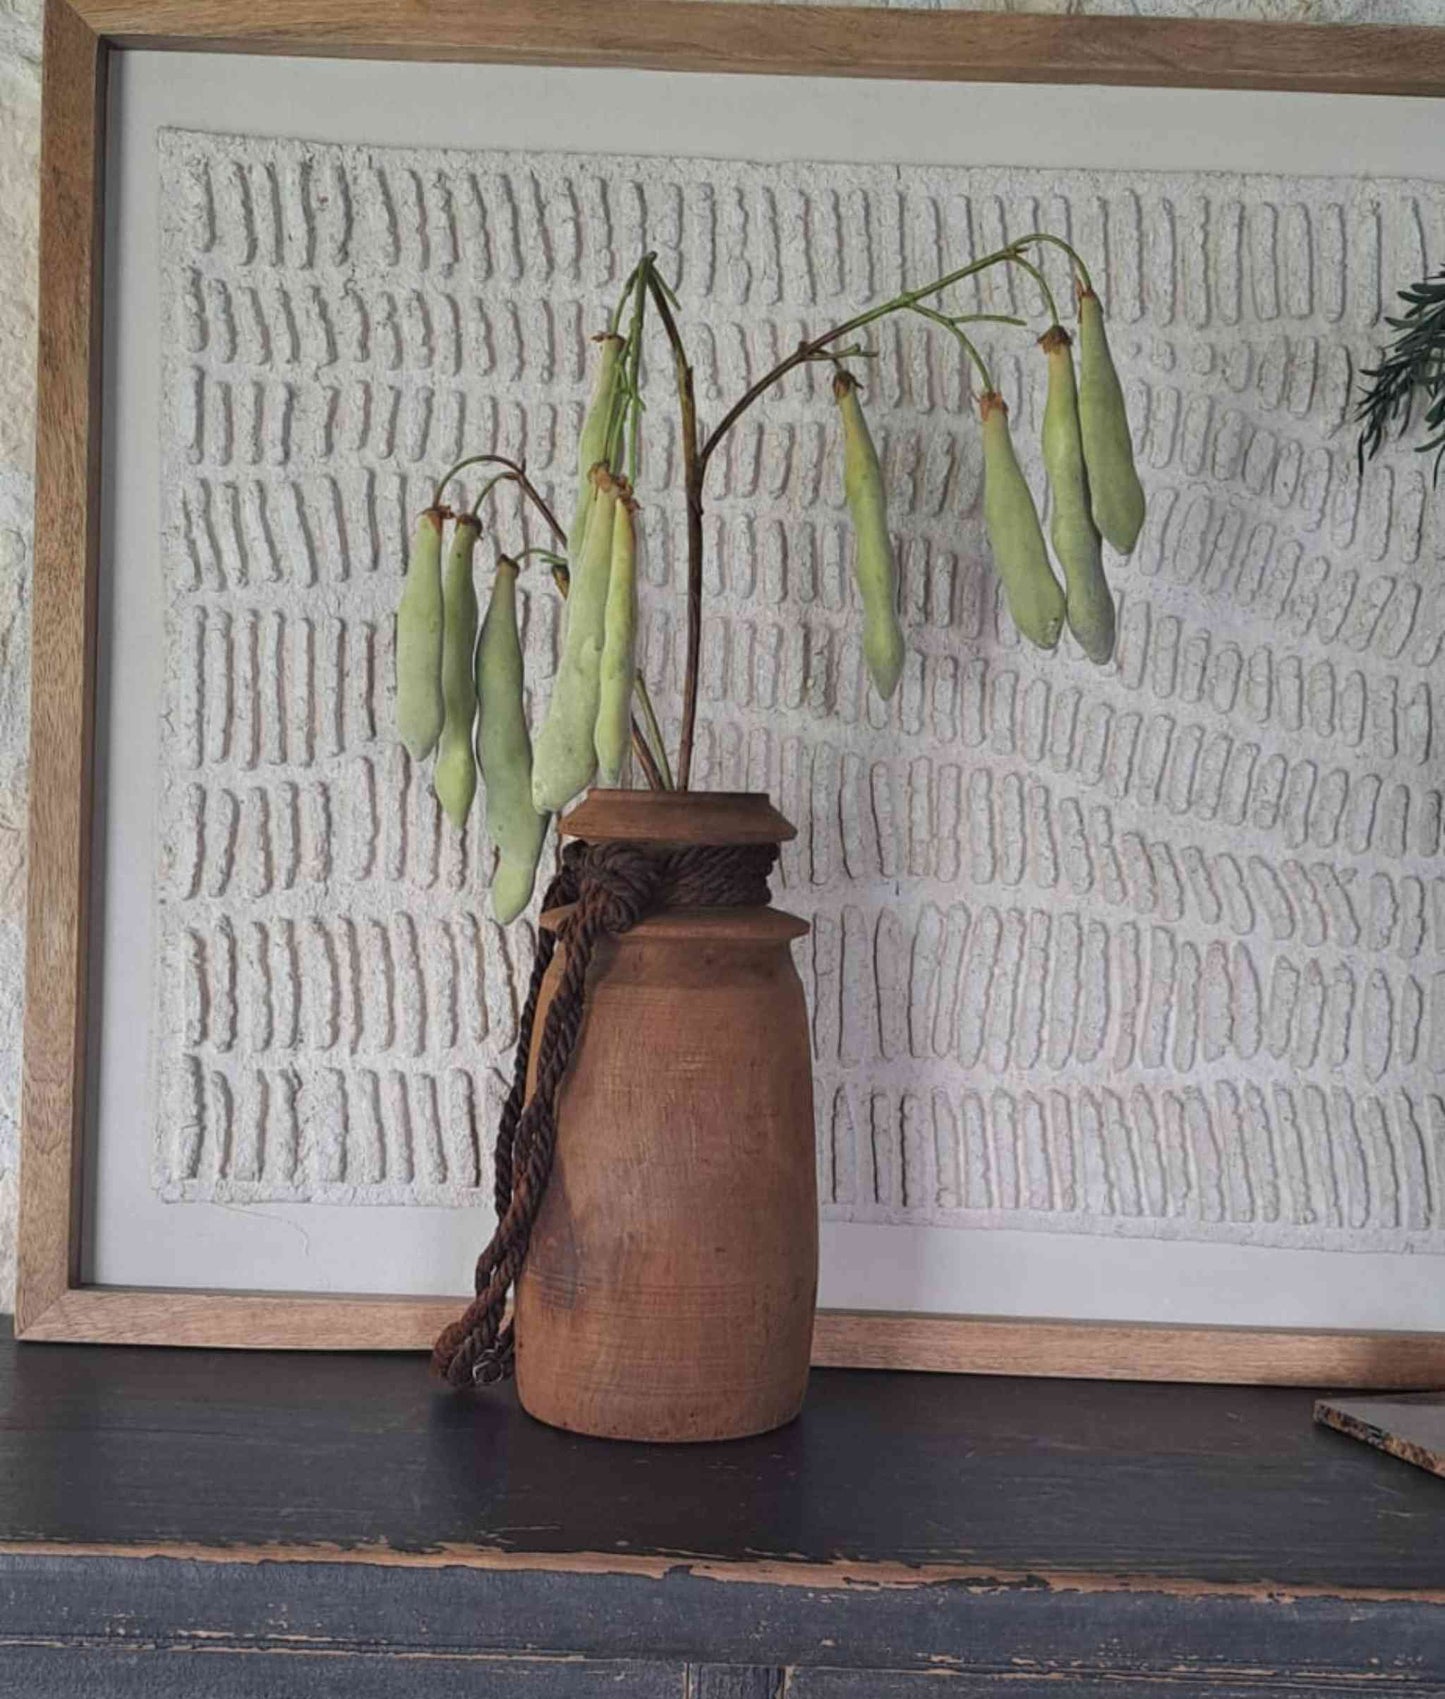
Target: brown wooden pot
669,1289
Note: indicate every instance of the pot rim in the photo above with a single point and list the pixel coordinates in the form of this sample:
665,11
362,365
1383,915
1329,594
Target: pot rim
677,817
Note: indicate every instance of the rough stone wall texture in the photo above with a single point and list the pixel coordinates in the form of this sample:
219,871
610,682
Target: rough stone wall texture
19,124
1148,948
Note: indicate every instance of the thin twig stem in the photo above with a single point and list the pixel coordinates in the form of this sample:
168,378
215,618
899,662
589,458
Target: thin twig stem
964,341
654,731
626,294
517,471
628,401
1038,236
693,468
806,350
1034,272
655,780
488,487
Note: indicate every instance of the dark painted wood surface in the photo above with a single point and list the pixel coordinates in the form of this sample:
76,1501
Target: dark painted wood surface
128,1446
231,1525
223,1672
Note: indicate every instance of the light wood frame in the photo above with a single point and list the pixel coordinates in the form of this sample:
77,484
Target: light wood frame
688,35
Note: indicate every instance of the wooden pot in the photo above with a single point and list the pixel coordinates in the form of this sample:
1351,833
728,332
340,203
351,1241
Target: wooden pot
669,1289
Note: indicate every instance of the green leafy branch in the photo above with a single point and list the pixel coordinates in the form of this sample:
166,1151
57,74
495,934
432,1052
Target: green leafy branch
1412,368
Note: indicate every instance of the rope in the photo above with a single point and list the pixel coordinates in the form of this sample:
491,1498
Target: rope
610,887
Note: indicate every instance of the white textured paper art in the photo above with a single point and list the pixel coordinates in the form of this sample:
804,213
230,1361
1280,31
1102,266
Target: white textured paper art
1153,948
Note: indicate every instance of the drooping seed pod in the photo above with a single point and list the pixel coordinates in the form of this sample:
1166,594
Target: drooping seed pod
596,426
566,753
1020,556
874,568
1072,530
1114,487
504,750
419,706
455,776
619,666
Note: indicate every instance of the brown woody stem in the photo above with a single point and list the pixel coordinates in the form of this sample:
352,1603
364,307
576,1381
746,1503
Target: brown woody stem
693,467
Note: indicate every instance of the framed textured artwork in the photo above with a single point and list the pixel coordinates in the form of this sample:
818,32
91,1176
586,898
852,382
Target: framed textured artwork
1124,986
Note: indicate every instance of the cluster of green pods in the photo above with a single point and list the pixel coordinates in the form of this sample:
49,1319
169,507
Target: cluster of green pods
460,689
588,722
463,697
1094,489
462,694
1095,493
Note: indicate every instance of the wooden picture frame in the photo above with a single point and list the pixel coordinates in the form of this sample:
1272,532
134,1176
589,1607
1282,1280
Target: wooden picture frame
80,35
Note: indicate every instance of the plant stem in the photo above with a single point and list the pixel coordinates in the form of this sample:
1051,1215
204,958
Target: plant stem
694,466
967,345
655,780
1034,272
806,350
1038,236
626,294
654,731
488,487
628,404
518,473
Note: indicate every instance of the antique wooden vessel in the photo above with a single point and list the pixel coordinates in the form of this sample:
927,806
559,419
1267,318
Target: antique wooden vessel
669,1290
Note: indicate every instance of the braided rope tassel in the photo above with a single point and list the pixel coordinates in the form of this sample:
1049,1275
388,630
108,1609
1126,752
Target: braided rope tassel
610,887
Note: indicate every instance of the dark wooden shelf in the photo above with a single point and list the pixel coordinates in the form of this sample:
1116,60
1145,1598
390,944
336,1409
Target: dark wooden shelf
318,1512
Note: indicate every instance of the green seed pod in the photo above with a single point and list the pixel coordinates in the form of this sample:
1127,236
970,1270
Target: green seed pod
1071,522
455,776
504,751
596,426
419,707
619,666
1118,496
1020,556
566,753
874,567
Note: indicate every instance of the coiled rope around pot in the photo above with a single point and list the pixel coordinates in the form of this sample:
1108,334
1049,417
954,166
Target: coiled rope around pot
610,887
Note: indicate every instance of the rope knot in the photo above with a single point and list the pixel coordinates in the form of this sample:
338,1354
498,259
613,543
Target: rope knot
619,884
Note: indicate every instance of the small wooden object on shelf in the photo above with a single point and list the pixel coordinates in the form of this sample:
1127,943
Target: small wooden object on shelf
1411,1428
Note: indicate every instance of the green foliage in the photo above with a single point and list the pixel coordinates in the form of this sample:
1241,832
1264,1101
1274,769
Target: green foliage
1412,368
